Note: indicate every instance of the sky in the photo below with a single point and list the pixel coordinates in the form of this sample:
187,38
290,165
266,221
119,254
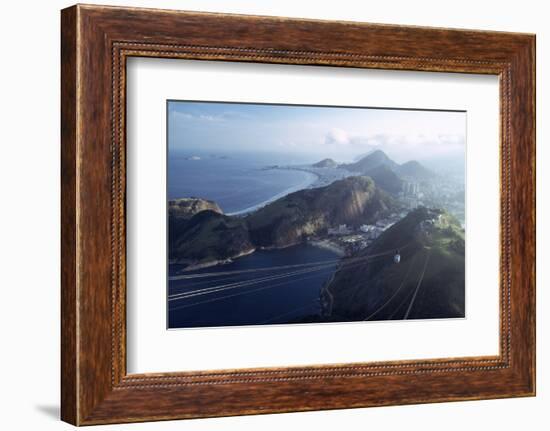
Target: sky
341,133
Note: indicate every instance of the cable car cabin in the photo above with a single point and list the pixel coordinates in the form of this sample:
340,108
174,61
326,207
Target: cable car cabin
397,257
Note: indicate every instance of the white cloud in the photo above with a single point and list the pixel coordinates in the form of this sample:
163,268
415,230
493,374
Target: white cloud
186,116
401,147
178,116
337,137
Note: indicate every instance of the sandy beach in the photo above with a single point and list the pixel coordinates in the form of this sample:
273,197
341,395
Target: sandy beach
310,179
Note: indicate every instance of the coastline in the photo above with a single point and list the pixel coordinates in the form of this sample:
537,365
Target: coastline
323,244
312,178
327,244
211,263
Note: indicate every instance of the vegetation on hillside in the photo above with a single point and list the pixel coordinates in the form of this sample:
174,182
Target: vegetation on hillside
371,286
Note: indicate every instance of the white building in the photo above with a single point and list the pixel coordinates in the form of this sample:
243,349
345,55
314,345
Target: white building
340,230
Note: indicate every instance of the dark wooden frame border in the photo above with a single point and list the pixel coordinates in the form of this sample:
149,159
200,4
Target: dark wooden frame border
95,43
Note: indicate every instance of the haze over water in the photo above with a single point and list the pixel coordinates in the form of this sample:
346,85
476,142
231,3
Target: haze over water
234,181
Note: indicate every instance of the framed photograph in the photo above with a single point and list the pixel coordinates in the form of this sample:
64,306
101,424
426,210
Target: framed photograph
263,214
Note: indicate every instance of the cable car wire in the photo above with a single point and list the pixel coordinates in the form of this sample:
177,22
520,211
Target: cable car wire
418,285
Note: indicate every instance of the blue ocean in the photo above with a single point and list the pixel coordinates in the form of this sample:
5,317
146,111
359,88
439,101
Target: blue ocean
236,182
266,287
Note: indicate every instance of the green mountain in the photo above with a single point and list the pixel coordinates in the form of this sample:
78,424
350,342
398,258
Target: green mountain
208,237
373,160
291,219
385,178
378,165
428,282
415,170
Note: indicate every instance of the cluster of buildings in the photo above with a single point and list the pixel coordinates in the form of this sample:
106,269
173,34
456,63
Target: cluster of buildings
342,229
351,240
373,231
445,193
411,189
411,195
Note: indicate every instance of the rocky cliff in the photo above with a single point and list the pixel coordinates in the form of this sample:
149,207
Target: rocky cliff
291,219
200,234
185,208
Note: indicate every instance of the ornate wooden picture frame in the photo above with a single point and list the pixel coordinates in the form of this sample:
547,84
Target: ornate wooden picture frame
96,41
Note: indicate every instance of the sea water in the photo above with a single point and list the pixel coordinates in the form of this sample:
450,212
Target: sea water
236,182
267,287
286,289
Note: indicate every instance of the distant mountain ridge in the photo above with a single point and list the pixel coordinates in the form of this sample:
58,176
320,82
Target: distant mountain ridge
386,178
377,164
373,160
414,169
